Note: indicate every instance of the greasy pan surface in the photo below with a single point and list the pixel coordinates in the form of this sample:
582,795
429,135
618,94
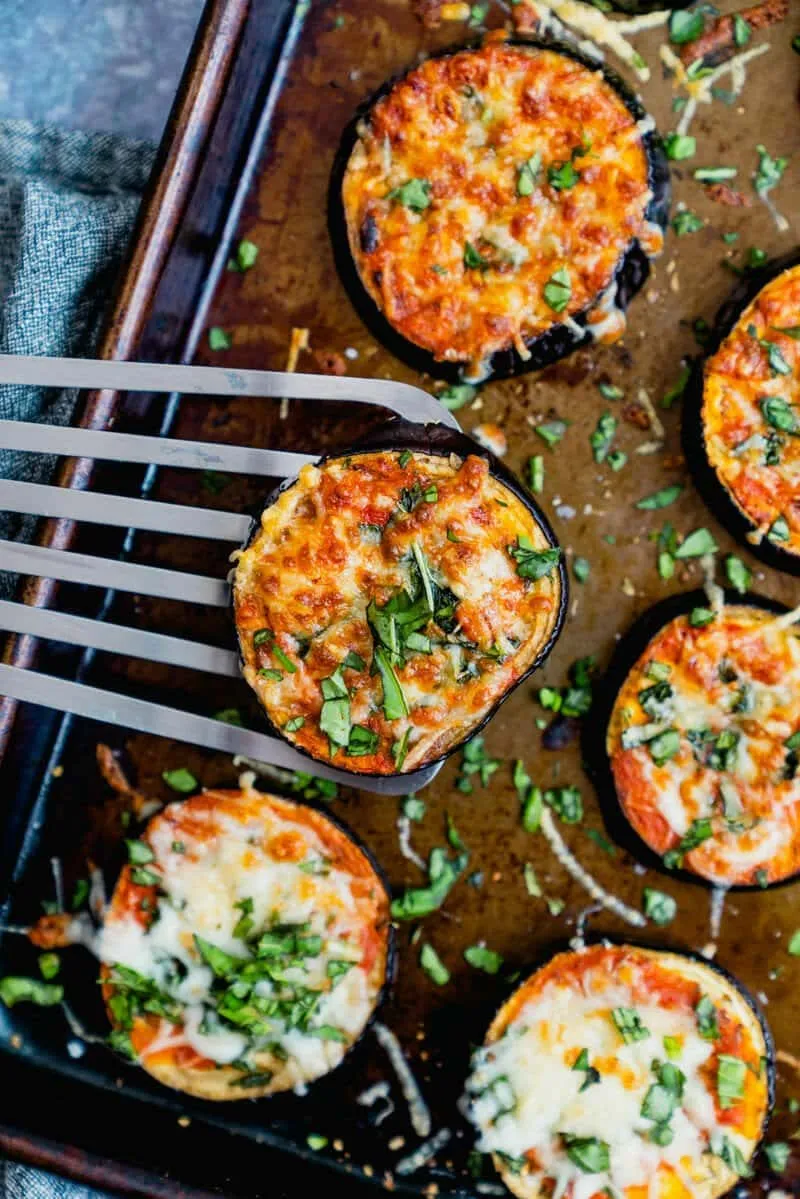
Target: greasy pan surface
294,284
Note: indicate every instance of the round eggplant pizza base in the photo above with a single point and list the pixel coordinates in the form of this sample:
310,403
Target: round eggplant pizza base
741,424
247,949
390,600
496,206
621,1067
699,743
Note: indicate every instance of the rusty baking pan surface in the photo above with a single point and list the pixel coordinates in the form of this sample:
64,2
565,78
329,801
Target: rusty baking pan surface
61,806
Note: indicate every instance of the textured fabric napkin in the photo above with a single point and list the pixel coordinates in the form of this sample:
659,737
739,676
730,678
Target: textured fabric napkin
67,205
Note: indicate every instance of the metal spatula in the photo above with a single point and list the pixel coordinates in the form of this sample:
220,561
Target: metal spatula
409,402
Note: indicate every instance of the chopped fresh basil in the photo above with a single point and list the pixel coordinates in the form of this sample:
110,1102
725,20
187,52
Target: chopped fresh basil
414,194
315,1141
581,568
15,989
738,574
456,396
686,26
591,1073
551,431
531,881
475,760
664,746
443,874
700,617
532,807
536,473
218,339
483,959
732,1156
558,290
629,1024
587,1153
413,808
293,725
679,146
354,661
562,176
600,440
181,780
245,256
139,853
686,222
395,705
474,261
769,172
777,1154
707,1024
779,529
731,1073
609,391
229,716
714,174
696,545
601,841
672,1047
660,499
793,948
400,750
49,965
566,802
144,878
362,741
532,563
658,907
528,173
779,413
433,965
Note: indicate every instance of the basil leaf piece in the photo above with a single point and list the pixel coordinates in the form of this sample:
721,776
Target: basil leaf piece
528,173
731,1074
664,746
658,907
707,1024
557,290
443,874
483,959
414,194
659,499
433,965
732,1156
532,563
686,26
15,989
600,440
395,705
223,964
181,780
562,176
218,339
738,574
777,1154
587,1153
696,544
779,413
629,1024
139,853
679,146
473,260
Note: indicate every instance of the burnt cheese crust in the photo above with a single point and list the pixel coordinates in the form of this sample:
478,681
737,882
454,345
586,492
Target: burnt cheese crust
492,194
638,1070
388,601
703,745
750,416
245,947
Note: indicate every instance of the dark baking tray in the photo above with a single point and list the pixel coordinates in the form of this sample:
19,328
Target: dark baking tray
277,159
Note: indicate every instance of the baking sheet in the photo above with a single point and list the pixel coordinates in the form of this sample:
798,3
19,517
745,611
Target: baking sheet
346,51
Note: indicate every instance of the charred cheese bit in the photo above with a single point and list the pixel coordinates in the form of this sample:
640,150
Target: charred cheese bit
703,743
623,1071
385,605
250,952
491,195
750,412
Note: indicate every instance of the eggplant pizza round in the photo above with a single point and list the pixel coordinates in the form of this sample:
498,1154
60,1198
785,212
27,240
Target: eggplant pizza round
624,1071
246,946
703,743
493,195
387,603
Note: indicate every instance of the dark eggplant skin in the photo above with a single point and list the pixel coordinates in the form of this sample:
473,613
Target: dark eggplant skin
715,495
556,342
593,742
438,440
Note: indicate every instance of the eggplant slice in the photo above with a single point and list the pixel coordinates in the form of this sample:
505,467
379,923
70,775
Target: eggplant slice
390,599
616,1065
434,336
745,837
224,930
740,475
